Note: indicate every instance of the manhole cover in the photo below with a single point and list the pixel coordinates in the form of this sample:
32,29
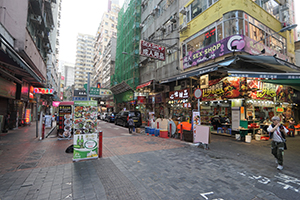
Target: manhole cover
27,165
151,142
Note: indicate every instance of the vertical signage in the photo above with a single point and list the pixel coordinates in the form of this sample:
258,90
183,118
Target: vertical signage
86,135
28,116
65,121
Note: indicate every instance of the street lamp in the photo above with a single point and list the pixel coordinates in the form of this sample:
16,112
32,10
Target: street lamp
288,28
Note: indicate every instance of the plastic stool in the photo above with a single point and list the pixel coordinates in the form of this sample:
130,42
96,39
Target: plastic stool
221,129
229,131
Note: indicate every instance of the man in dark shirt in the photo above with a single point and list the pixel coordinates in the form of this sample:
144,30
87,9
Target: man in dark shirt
130,124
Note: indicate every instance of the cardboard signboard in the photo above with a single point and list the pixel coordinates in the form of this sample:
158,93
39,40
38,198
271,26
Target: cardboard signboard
201,134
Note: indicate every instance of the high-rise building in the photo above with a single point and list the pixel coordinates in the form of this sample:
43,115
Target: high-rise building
68,73
127,73
53,55
84,59
106,30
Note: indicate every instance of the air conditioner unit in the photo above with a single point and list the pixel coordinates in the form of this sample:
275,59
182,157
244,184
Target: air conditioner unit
142,25
183,10
183,27
156,7
173,18
36,18
162,28
46,45
40,33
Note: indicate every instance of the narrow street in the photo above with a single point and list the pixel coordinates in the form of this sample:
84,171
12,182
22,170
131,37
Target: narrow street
137,166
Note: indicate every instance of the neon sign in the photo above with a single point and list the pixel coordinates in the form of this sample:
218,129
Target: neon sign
55,103
27,116
43,91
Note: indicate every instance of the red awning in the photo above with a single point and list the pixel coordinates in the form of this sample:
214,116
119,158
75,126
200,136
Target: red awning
144,85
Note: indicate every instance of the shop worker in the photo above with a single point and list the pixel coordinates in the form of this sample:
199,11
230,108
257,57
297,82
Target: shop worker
277,132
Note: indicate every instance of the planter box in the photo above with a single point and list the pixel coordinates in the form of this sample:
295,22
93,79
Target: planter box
188,136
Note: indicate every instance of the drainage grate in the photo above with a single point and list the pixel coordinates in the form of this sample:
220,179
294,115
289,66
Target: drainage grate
28,165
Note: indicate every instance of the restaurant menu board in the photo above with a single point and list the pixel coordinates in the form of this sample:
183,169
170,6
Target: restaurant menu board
85,129
65,121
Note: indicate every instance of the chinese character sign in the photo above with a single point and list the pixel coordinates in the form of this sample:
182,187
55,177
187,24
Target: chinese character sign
152,50
179,94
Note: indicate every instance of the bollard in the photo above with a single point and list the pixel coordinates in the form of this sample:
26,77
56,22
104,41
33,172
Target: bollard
170,130
100,144
43,131
181,131
157,125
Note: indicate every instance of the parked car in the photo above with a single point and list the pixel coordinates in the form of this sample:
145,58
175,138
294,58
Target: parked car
103,115
110,117
123,117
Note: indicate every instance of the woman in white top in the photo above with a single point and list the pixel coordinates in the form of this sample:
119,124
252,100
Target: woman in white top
277,132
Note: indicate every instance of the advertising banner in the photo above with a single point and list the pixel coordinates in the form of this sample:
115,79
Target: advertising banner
152,50
8,89
48,119
85,129
222,47
222,88
65,122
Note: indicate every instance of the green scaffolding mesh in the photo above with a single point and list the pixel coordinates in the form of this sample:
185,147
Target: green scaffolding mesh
128,32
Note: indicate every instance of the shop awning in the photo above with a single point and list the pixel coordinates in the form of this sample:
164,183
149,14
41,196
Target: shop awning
273,75
198,72
144,84
11,60
268,63
294,83
120,88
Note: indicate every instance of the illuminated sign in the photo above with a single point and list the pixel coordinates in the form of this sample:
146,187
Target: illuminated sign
43,91
27,116
279,109
180,94
55,103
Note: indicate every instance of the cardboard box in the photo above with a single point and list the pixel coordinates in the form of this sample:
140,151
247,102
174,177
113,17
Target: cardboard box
138,130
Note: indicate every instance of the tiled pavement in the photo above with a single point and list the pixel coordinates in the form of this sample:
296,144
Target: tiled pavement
143,167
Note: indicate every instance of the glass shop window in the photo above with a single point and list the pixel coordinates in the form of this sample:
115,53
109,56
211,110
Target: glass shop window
219,32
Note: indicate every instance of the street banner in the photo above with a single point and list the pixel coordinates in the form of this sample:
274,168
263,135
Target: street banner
85,128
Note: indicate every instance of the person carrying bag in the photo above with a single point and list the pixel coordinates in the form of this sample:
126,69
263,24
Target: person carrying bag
278,132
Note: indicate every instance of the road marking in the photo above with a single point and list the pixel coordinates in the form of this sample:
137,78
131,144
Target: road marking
204,194
288,182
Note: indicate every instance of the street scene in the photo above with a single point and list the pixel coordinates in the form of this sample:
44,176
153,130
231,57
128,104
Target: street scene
150,99
137,166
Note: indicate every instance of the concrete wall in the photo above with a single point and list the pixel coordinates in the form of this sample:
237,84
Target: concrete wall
153,70
13,16
297,52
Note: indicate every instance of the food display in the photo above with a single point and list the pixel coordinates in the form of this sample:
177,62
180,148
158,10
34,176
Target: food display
85,130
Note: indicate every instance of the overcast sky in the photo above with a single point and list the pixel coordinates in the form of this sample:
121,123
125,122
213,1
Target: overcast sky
84,16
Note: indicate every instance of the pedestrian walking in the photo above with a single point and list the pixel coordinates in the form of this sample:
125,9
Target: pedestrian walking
277,132
130,124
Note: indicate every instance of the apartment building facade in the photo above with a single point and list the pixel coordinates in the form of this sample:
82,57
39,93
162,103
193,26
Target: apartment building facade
84,59
25,27
106,30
